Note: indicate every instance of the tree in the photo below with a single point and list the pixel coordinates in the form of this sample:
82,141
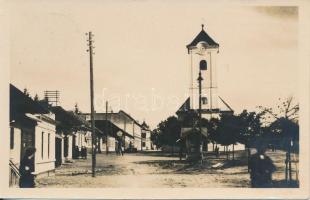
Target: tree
76,109
36,98
250,130
284,131
283,122
228,131
26,92
155,138
283,128
287,109
212,127
168,132
250,127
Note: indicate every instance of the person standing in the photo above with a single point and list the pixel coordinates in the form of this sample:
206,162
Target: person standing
119,147
217,151
182,147
261,169
26,169
84,152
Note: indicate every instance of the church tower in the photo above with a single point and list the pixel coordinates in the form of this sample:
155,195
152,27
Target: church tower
202,53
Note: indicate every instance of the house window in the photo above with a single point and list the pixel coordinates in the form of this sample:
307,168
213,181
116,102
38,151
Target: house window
48,146
42,144
143,144
12,138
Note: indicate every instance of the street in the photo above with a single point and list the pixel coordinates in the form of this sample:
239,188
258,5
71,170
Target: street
144,170
155,169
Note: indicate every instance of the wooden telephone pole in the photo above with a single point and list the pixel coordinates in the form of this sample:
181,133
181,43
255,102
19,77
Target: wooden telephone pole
106,127
94,143
202,66
200,79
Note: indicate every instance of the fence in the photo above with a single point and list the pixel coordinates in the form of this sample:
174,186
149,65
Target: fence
14,175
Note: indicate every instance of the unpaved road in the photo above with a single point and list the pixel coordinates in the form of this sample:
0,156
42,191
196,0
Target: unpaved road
143,170
154,170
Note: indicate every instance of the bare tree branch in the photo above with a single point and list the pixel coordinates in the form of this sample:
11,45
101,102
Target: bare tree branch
271,113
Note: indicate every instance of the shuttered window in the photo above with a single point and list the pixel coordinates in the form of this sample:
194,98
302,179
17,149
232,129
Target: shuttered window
11,138
42,145
48,146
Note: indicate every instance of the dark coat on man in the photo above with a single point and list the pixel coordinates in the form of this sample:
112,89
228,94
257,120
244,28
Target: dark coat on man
261,169
25,169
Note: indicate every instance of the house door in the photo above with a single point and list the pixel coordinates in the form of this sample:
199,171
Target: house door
58,152
66,146
27,140
74,153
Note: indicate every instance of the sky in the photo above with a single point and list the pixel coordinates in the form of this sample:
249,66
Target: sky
141,63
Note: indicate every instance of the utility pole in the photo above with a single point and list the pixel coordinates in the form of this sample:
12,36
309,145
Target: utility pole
202,66
94,144
106,126
141,142
199,113
290,162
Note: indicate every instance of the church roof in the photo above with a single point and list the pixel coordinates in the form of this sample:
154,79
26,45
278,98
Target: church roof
222,108
185,106
203,37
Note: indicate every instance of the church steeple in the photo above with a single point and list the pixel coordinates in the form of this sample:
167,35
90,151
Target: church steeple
202,52
203,37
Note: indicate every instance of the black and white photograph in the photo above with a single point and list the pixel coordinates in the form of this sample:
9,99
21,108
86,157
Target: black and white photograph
157,95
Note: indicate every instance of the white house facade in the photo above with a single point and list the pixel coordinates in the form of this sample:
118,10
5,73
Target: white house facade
45,143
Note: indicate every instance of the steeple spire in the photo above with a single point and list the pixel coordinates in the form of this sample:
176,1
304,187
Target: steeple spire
203,37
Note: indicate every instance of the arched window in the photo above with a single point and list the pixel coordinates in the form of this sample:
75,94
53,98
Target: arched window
203,65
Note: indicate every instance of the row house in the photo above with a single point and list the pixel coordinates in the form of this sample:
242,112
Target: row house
58,135
31,124
118,125
72,132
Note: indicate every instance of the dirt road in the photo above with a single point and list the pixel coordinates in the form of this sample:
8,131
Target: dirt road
143,170
156,170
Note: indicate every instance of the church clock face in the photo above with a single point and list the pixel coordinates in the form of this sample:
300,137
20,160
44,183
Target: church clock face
201,48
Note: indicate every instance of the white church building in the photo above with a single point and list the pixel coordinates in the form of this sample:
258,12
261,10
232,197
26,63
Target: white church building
203,54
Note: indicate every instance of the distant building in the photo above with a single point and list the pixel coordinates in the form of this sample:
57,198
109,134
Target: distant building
72,132
146,137
118,126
